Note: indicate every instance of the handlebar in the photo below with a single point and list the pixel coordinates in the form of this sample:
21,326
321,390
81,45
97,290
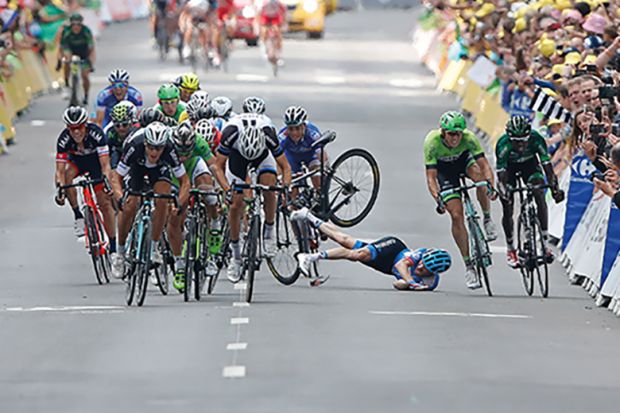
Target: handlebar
260,187
527,188
464,188
84,183
152,195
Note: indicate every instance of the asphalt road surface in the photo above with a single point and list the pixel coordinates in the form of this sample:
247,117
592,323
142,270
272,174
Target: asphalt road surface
352,345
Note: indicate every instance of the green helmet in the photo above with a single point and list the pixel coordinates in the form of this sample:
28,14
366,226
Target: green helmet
123,111
168,91
452,121
519,128
76,17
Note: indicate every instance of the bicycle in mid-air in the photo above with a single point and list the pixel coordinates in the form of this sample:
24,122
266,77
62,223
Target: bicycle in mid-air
531,244
96,237
479,249
346,194
138,255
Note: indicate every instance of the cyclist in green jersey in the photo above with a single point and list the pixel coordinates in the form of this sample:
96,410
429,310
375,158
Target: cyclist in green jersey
77,40
200,165
124,123
450,152
523,150
170,104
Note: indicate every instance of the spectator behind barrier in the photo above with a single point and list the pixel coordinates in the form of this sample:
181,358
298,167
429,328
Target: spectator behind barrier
609,182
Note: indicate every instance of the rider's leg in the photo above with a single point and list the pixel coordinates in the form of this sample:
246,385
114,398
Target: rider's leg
543,212
66,67
104,201
126,220
70,173
235,213
459,232
508,221
268,178
475,174
175,232
161,209
86,81
204,182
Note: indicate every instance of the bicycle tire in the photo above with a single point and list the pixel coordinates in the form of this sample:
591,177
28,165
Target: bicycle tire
92,242
251,263
105,256
130,288
285,237
144,265
74,101
543,276
333,177
477,238
524,254
190,252
202,256
162,272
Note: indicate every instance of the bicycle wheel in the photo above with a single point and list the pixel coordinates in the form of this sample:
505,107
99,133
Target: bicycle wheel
283,264
202,257
190,257
540,252
75,85
144,265
524,253
130,288
222,258
104,258
250,256
163,271
92,243
480,250
352,187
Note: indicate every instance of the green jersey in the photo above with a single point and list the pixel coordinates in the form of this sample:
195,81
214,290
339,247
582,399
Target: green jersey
180,115
79,44
436,154
201,151
507,155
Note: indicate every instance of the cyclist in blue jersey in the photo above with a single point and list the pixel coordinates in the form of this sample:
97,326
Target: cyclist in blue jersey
118,91
223,108
296,139
416,270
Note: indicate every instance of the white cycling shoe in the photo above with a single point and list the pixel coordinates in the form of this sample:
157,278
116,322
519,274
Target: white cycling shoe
118,265
78,227
490,229
305,264
269,247
471,280
300,215
234,271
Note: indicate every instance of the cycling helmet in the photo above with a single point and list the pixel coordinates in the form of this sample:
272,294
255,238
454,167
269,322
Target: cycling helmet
251,142
156,134
518,128
222,106
75,115
168,91
184,138
207,130
452,121
436,260
118,76
254,104
170,121
76,17
123,111
150,115
295,116
202,113
189,81
200,98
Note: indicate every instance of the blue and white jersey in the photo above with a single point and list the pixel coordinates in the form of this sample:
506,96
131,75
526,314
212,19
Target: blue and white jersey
414,257
106,101
302,151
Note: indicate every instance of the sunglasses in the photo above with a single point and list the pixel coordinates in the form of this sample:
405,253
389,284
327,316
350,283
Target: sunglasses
77,127
168,101
119,85
76,23
122,124
190,91
154,148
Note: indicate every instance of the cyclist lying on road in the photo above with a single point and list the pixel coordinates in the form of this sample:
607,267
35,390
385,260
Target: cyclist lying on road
416,270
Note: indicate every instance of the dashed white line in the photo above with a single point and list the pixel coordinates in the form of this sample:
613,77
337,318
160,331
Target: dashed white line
249,77
240,286
497,249
63,308
451,314
239,320
236,346
233,372
331,80
241,304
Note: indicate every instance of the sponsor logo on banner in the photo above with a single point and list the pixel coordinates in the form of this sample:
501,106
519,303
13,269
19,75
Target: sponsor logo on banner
579,194
612,244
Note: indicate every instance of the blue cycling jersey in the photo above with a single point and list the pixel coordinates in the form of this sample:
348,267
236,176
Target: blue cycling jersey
106,101
302,151
414,257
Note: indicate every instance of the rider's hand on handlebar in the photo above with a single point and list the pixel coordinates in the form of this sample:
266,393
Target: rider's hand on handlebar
557,194
228,196
491,192
441,206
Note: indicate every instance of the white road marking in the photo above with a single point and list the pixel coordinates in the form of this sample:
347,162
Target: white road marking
249,77
37,123
233,372
498,249
236,346
450,314
241,304
409,83
330,80
99,308
239,320
168,77
240,286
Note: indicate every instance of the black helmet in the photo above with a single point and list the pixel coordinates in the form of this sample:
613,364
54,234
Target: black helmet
75,115
150,115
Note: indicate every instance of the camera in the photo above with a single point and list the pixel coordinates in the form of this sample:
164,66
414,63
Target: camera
608,92
598,175
597,129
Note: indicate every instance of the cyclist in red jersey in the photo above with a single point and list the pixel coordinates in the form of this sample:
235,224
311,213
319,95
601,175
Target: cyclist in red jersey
272,14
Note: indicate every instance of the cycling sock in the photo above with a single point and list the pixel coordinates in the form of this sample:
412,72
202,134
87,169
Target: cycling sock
268,230
112,247
121,249
215,224
545,235
510,244
77,213
236,249
316,222
467,261
322,255
487,215
178,263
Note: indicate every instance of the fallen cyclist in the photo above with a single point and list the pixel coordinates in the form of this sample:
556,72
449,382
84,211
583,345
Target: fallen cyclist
416,270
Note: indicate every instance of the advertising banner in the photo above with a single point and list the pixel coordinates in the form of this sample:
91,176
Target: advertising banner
579,195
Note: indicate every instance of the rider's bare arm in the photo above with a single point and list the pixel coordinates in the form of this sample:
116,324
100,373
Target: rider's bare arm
218,172
285,168
431,182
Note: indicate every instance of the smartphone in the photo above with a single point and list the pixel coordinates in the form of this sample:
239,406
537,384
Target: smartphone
598,175
597,129
591,68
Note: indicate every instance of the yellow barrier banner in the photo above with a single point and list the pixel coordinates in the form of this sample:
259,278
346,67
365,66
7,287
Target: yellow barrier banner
455,69
32,68
472,97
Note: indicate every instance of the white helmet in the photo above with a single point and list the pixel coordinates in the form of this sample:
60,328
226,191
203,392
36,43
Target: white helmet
254,104
200,98
156,134
222,106
206,129
251,142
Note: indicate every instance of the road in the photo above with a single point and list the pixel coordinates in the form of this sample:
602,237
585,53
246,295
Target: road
352,345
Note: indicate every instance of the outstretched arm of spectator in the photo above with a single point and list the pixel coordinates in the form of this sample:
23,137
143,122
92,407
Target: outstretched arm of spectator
608,54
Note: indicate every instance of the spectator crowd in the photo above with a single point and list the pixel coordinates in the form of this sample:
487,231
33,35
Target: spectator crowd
557,62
